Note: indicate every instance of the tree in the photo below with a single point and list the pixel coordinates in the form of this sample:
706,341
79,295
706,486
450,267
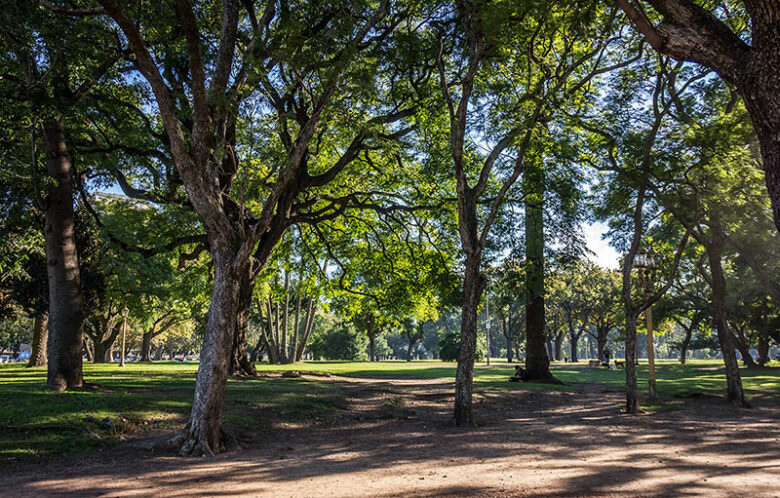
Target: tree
690,32
243,231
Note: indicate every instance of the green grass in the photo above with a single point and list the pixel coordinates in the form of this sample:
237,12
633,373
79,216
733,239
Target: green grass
674,380
155,398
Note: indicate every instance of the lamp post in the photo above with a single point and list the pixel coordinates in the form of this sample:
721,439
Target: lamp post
646,266
125,312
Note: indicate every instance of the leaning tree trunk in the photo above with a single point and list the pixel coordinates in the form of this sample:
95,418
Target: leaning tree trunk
743,345
734,383
473,285
203,434
240,365
40,337
62,264
537,362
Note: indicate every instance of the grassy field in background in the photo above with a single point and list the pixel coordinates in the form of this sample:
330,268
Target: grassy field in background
153,398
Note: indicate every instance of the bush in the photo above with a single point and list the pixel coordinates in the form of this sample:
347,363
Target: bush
342,342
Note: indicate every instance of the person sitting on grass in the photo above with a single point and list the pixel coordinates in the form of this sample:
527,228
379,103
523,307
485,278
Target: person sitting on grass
520,374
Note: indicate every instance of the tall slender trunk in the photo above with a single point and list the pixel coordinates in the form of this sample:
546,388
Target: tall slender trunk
239,357
473,285
62,264
203,434
537,362
40,337
559,346
573,338
632,395
309,323
718,286
285,354
296,328
371,333
549,347
651,382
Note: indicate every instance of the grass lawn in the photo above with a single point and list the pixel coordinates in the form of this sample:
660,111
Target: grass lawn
153,398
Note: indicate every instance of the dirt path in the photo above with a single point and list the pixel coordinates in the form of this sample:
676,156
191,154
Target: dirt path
396,440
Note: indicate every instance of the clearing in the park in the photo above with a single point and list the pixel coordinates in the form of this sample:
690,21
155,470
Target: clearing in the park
384,429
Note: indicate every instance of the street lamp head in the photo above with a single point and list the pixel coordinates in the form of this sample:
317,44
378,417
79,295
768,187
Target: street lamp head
125,312
644,259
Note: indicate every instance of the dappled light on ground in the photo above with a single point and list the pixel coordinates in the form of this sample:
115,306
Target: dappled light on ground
394,437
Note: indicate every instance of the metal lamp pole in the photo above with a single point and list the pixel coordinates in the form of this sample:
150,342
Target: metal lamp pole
125,312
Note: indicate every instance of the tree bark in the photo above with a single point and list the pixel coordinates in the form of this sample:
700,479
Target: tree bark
103,351
65,298
146,346
203,434
88,351
473,285
559,346
602,335
632,395
240,365
371,333
40,337
285,354
718,287
537,362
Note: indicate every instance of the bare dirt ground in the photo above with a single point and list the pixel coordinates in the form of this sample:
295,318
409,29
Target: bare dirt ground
396,439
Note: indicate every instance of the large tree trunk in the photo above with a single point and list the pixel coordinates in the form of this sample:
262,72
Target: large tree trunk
760,90
537,362
240,365
62,264
473,285
103,351
40,337
601,341
146,346
203,434
718,285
